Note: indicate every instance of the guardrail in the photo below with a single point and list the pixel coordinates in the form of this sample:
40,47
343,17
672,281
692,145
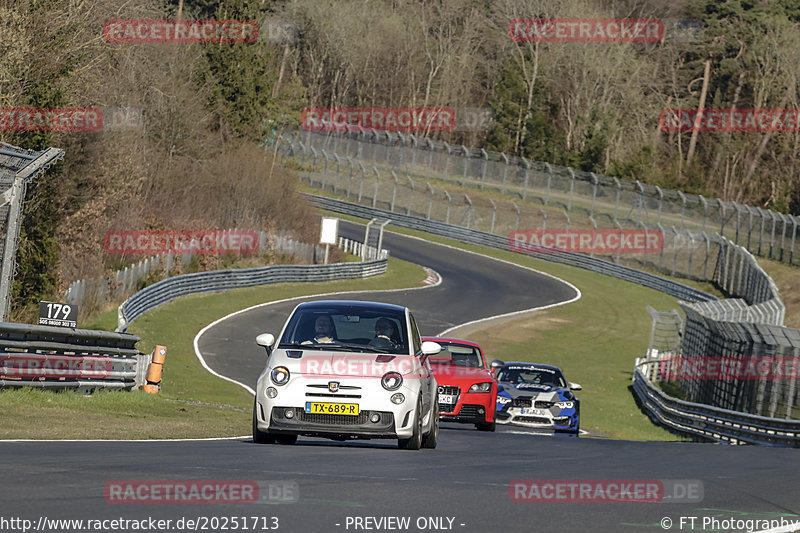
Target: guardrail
81,359
686,417
473,236
219,280
710,423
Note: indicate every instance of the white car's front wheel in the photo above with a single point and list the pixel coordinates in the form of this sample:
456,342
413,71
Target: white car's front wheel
432,438
414,442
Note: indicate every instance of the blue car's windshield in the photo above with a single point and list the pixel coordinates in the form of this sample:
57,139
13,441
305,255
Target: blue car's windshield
519,375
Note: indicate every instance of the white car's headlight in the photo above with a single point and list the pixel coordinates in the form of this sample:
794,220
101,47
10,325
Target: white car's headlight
392,381
481,387
279,375
565,405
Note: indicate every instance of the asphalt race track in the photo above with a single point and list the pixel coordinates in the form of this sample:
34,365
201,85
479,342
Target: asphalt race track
473,287
467,484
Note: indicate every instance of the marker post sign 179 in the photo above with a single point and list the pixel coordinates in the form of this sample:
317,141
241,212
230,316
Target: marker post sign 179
56,314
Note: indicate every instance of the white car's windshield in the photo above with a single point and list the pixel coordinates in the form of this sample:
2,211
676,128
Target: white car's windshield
354,328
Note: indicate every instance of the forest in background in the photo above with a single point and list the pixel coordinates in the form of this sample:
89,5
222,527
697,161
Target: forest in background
196,161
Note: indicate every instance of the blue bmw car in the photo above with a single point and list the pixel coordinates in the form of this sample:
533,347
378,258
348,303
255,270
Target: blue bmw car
536,395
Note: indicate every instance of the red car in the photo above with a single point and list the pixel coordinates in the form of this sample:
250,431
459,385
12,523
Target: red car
467,389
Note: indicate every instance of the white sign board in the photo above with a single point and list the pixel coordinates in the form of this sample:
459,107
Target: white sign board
330,230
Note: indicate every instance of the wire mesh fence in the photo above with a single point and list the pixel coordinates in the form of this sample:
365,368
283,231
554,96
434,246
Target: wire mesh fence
699,239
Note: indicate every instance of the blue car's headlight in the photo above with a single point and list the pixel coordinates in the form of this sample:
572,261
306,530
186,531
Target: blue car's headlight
565,405
481,387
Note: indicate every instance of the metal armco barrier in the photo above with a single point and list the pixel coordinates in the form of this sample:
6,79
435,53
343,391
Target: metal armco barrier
472,236
760,300
710,423
219,280
50,357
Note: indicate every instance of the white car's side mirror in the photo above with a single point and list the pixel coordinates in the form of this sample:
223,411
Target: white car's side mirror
430,348
266,340
574,386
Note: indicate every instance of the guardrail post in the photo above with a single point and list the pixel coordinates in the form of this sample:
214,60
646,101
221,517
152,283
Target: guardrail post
640,201
761,234
794,232
363,179
594,234
738,222
594,192
705,210
783,236
544,219
469,209
394,191
324,169
660,203
410,194
494,214
571,188
549,181
402,149
447,159
350,177
527,177
430,202
619,192
336,180
723,208
708,253
485,156
663,245
683,209
505,173
413,151
447,194
516,208
466,164
619,248
566,214
772,232
377,183
431,149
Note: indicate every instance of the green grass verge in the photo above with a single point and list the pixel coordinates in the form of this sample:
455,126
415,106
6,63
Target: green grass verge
192,403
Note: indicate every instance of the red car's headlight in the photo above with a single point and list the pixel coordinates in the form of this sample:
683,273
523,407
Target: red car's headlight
481,387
